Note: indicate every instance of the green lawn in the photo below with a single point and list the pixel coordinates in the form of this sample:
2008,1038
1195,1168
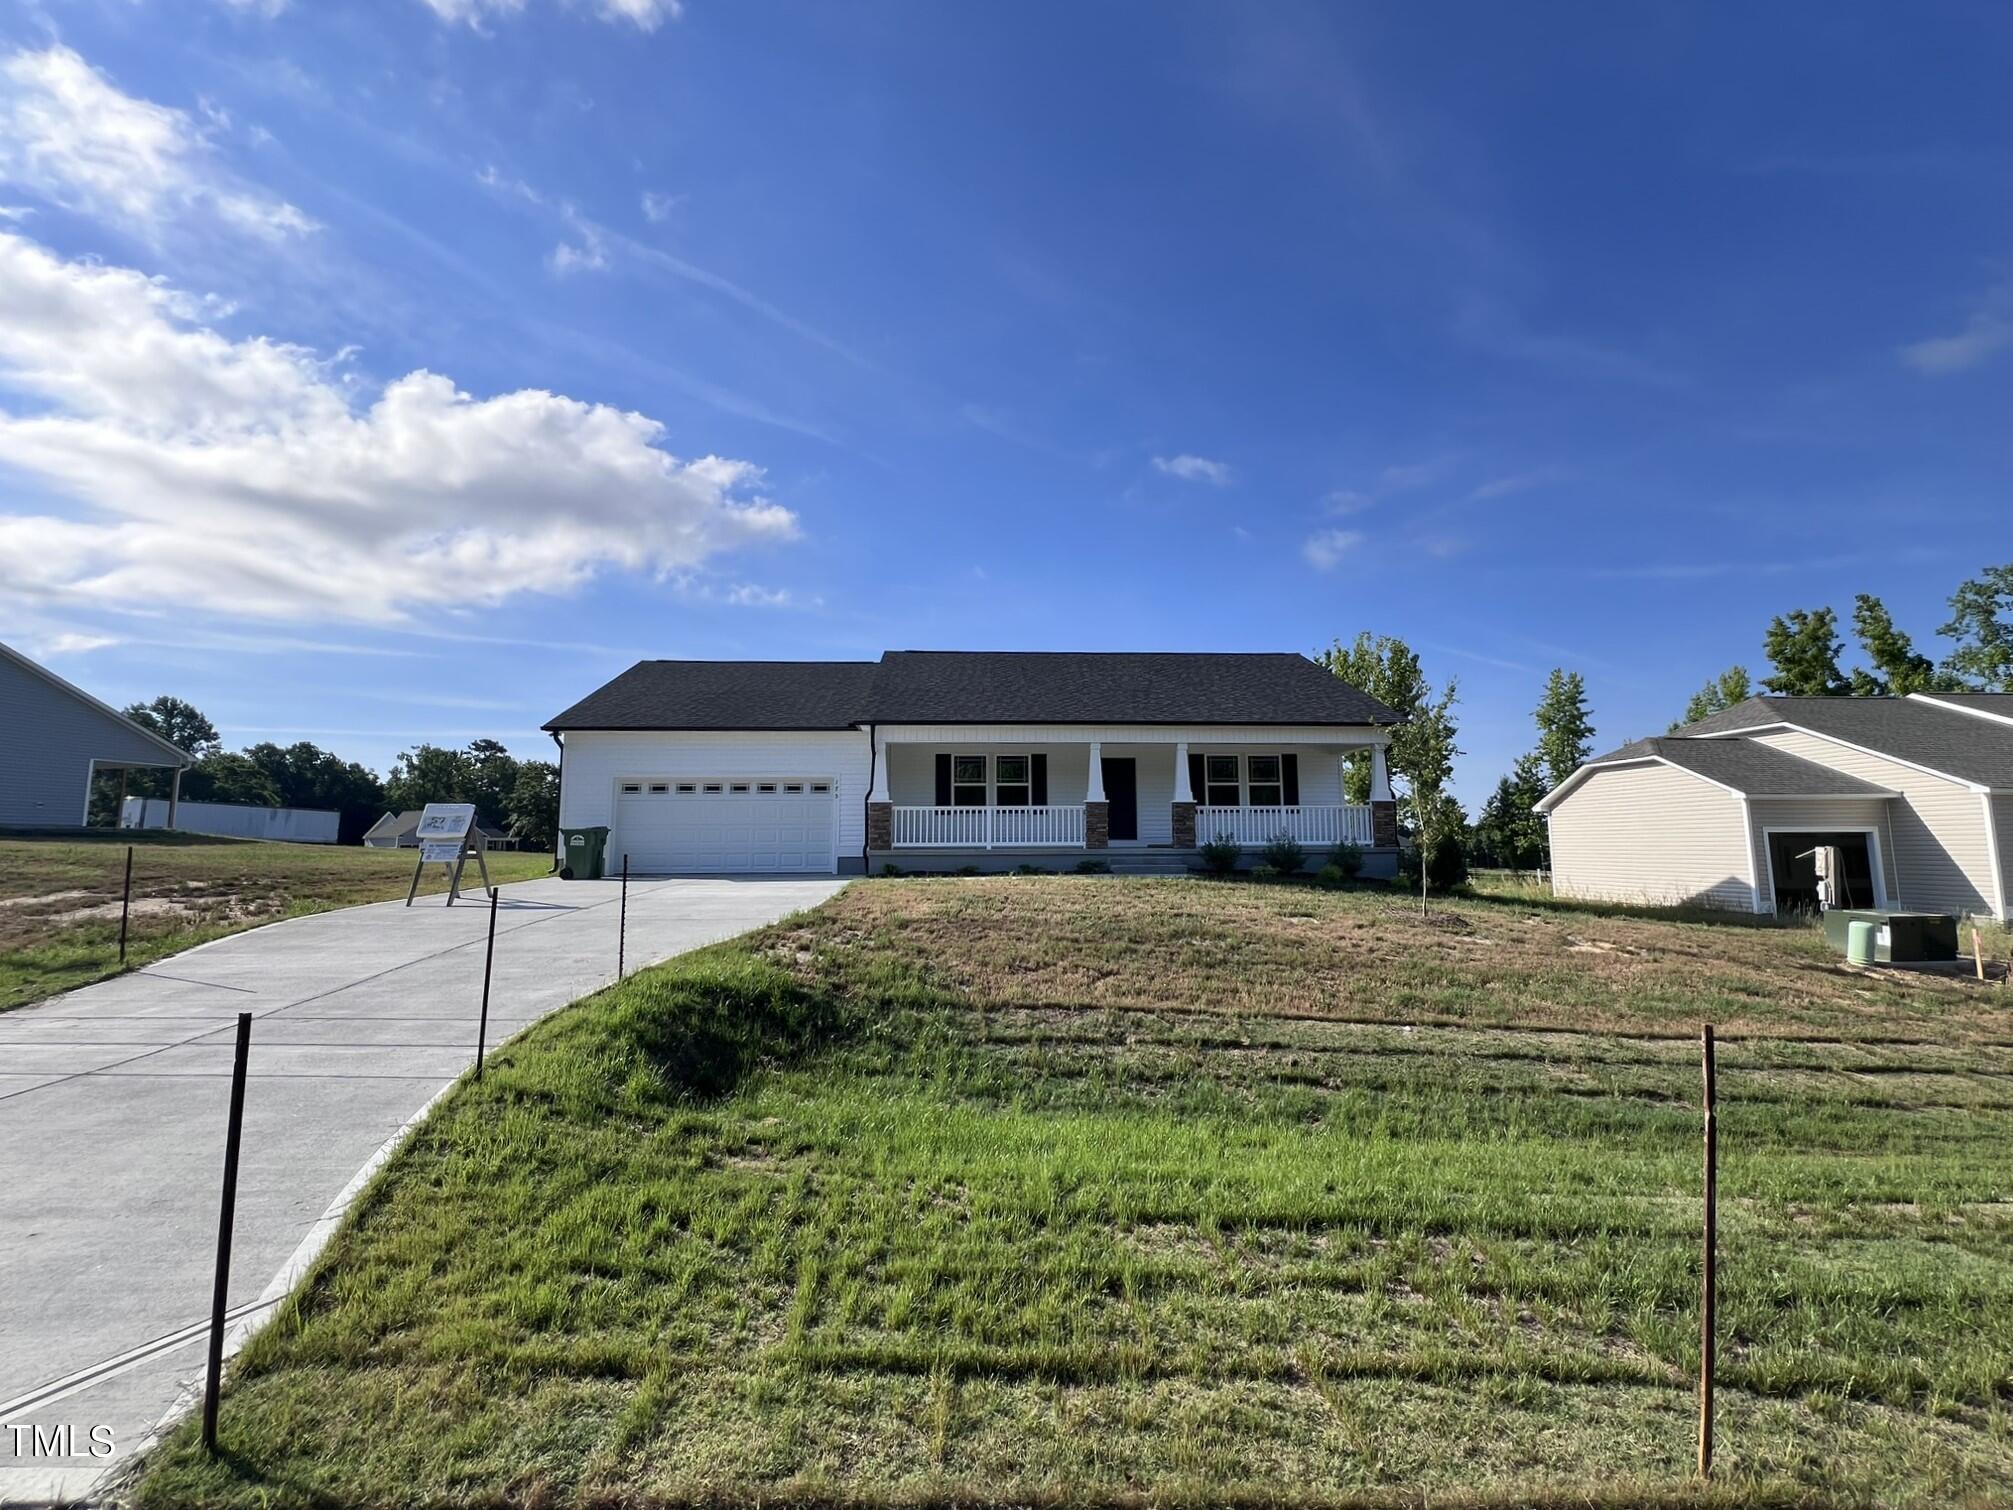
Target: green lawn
59,898
1077,1190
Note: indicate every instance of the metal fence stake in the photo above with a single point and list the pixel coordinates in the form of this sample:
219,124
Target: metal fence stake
224,1220
1710,1297
488,958
622,927
125,904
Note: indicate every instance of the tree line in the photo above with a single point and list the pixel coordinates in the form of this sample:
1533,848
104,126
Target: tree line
518,797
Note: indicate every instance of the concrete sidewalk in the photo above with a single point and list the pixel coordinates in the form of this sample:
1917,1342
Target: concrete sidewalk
113,1101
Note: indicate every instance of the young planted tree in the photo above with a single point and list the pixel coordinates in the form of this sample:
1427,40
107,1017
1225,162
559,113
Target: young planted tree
1422,755
1716,696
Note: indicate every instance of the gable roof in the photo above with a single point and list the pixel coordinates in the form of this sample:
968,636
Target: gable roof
394,825
1918,731
959,686
1997,705
177,755
1739,765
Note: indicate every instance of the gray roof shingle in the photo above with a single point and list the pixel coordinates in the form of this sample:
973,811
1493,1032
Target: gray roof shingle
956,686
1921,733
1755,769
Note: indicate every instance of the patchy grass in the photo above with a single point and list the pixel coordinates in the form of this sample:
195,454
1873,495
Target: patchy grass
1071,1191
59,898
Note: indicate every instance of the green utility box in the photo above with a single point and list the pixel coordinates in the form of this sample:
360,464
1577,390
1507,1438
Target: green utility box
1900,938
584,852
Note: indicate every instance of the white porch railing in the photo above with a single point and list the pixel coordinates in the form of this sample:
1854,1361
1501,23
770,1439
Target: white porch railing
987,827
1347,824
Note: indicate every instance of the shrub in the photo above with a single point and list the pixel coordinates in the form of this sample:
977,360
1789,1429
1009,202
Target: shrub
1446,865
1284,854
1093,867
890,868
972,870
1265,873
1029,870
1348,859
1331,875
1221,855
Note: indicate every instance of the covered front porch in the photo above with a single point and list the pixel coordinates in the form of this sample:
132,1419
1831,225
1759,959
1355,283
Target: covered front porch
982,797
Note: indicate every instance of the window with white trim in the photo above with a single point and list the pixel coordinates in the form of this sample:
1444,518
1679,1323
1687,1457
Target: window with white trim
1221,783
968,781
1264,783
1013,780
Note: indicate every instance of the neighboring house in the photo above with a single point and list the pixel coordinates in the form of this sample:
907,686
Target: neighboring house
939,760
401,831
1915,793
237,820
394,831
55,737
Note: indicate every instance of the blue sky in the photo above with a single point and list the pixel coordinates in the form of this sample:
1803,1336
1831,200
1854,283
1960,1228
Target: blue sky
401,371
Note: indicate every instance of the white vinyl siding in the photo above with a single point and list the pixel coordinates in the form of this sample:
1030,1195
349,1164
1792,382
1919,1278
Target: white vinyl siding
1824,815
2002,824
597,760
1652,834
1941,854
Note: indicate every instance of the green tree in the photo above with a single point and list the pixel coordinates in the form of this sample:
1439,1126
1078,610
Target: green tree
224,777
429,773
1722,692
533,809
309,776
1385,667
1510,831
1981,622
1565,727
1898,667
1803,646
180,723
493,777
1422,755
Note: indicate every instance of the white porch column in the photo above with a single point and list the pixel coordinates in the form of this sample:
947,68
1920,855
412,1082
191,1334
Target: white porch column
1094,783
880,791
174,796
1380,775
1181,790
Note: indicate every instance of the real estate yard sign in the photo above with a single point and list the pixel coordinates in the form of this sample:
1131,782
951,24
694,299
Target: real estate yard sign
448,834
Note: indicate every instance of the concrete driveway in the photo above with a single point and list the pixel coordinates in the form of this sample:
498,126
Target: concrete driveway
113,1101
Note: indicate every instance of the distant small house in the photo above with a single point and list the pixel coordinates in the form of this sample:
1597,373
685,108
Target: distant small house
1914,795
401,831
54,738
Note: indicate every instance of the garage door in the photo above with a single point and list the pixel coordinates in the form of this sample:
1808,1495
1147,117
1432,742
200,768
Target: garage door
724,825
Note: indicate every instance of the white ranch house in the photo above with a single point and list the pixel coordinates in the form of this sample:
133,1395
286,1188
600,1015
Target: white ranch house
940,760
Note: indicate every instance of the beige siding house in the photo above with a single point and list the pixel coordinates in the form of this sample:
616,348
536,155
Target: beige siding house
1915,795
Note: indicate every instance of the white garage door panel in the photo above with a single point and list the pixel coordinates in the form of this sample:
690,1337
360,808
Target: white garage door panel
672,832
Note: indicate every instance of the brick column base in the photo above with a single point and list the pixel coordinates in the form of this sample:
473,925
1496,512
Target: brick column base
1097,825
1184,825
880,825
1384,825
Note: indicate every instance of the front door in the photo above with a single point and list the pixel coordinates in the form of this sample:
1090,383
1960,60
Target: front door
1121,790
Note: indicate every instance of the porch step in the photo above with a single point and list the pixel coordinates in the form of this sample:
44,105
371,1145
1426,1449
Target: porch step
1150,862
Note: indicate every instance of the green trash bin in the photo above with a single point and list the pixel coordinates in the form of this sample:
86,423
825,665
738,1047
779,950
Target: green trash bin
1860,936
585,851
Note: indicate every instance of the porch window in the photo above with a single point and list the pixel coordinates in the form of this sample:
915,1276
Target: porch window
1266,790
1222,783
968,781
1012,782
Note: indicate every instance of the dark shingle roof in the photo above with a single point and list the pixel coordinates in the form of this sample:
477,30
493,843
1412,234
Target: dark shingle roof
1940,739
727,695
1998,704
955,686
1746,766
958,686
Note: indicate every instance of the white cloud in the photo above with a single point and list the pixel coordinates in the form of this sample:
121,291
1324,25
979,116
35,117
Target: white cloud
251,477
657,207
1348,501
1520,482
1194,469
266,8
1418,474
73,643
645,15
68,134
1988,332
1324,549
588,257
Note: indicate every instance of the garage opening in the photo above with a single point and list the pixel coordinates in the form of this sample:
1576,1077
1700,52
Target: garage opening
724,825
1794,859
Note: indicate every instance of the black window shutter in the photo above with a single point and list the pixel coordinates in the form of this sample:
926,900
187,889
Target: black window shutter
1038,771
1197,788
944,779
1289,772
